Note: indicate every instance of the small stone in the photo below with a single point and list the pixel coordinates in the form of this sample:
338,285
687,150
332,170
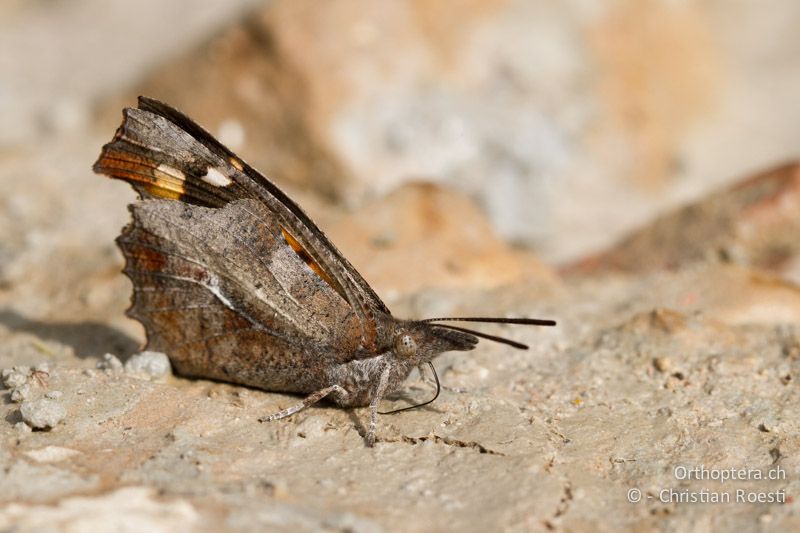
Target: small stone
16,377
89,372
662,364
767,426
21,393
22,427
110,362
42,414
154,365
54,394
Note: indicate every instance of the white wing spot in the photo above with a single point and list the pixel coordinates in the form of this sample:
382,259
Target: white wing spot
216,178
171,171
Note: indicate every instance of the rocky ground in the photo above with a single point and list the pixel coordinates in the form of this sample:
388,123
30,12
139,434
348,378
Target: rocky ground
675,359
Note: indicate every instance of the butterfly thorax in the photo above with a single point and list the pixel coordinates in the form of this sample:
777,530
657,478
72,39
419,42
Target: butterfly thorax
359,378
407,345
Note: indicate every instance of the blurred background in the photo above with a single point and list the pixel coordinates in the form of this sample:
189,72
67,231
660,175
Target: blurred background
556,128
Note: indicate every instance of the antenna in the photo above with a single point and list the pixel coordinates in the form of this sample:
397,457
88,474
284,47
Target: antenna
491,320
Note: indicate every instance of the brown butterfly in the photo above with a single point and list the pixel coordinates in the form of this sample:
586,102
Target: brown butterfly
236,283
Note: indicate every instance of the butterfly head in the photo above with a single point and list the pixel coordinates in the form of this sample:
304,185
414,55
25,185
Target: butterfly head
420,342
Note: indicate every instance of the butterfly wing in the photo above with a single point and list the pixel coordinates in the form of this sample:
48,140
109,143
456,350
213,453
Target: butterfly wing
222,293
166,155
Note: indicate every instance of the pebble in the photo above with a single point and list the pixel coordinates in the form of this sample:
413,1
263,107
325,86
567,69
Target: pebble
21,393
15,377
110,362
154,365
662,364
42,414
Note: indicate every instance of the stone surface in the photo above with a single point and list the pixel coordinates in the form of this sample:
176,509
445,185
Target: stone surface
127,509
559,433
44,413
440,228
755,222
676,357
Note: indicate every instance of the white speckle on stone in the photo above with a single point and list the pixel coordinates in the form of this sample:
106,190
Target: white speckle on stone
42,414
125,509
110,362
154,365
21,393
216,178
51,454
54,394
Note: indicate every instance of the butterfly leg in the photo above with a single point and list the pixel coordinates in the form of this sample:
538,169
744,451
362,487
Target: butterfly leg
421,370
383,382
310,400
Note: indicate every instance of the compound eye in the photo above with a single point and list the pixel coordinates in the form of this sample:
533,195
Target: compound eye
404,345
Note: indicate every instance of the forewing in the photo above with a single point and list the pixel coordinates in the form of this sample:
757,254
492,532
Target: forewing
164,154
221,291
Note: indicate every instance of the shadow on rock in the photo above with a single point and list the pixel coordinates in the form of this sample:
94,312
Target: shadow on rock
88,339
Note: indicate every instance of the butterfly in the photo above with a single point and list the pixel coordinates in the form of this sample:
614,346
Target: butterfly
235,282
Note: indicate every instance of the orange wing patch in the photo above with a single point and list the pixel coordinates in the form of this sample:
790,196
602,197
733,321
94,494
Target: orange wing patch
147,259
162,181
310,261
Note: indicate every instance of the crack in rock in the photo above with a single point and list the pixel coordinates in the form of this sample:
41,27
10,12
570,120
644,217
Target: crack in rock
446,441
562,507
